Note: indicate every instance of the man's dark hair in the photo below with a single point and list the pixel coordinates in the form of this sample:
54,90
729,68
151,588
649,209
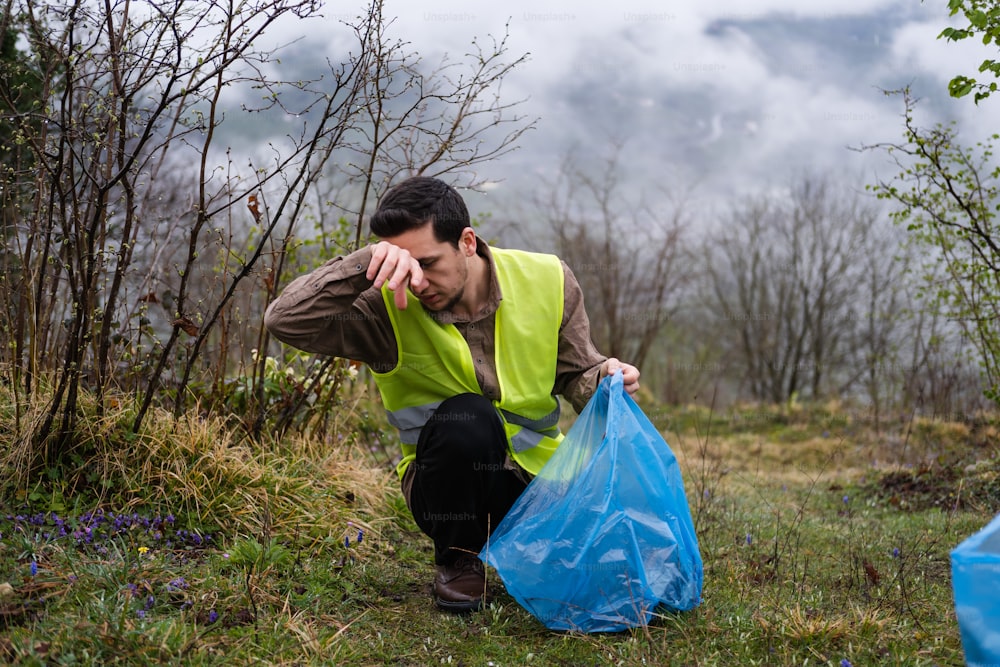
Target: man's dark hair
417,201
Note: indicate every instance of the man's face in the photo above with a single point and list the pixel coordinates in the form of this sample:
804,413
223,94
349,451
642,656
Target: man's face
445,267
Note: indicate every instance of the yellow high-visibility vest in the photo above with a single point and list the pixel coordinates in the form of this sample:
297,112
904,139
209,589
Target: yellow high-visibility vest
435,363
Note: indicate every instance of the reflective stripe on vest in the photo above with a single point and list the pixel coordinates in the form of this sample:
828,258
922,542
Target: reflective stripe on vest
409,422
546,423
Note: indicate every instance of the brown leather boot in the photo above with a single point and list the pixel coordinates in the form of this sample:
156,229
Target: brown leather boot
459,587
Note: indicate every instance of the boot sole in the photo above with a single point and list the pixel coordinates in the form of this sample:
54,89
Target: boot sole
458,606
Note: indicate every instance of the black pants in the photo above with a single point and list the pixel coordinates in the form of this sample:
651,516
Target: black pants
461,489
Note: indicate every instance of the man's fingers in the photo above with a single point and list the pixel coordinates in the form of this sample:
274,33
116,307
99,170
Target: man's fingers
417,281
630,378
630,374
379,252
407,271
395,266
383,263
389,263
399,295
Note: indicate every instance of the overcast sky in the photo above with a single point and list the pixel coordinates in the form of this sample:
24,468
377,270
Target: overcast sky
731,96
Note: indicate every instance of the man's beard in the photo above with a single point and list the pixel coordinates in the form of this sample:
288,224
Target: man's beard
450,303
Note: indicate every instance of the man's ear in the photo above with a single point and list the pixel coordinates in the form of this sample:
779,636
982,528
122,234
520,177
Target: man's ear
467,242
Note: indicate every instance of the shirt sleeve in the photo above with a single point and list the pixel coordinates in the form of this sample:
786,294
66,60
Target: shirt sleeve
335,310
578,367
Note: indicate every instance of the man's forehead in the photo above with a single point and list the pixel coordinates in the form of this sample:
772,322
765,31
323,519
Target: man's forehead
421,243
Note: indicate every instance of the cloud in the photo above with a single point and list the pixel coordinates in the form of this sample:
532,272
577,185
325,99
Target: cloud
755,10
730,93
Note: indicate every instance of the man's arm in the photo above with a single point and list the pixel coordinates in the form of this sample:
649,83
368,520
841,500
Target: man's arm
580,366
336,310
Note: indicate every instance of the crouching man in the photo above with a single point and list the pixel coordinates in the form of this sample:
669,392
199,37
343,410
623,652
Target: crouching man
469,346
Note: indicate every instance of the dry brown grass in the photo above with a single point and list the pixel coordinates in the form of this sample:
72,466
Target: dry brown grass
802,449
203,467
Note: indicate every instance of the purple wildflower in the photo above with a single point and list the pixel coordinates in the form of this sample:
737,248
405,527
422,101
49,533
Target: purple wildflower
213,616
34,568
845,663
749,539
361,535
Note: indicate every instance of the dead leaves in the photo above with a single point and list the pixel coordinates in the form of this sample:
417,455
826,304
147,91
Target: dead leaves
186,325
253,207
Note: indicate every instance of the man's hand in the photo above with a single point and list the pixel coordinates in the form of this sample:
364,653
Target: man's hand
396,266
630,374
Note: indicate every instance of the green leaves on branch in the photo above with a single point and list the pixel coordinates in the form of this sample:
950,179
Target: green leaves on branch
984,21
946,195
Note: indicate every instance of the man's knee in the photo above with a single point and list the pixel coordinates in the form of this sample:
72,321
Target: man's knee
467,425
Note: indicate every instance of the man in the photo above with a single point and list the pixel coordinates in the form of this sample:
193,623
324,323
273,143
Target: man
469,346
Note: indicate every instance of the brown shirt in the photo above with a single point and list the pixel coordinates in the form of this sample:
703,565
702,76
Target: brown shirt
336,310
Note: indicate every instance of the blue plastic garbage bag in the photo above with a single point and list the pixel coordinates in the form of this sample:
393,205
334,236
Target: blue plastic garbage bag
975,580
603,535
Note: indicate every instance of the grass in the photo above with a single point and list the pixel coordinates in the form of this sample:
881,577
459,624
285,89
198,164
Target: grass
823,540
